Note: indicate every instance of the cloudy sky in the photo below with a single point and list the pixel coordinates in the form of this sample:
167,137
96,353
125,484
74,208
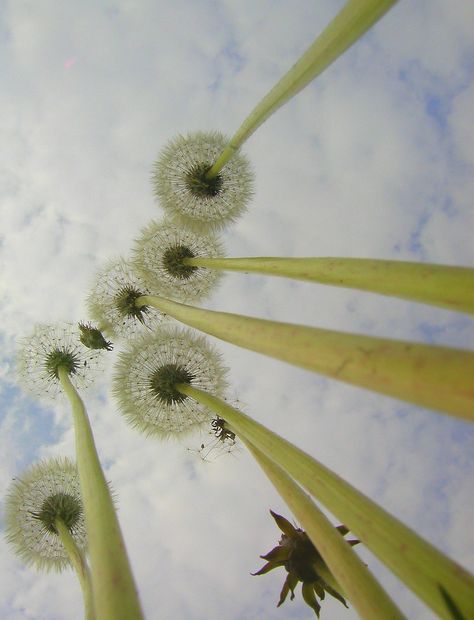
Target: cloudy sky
374,159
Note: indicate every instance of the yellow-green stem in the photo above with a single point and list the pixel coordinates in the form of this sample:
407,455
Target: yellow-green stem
79,563
430,376
115,595
439,285
423,568
347,573
349,25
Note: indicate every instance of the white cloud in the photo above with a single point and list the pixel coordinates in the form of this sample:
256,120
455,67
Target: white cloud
374,159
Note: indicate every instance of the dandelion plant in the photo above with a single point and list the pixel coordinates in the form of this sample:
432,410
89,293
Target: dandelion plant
112,302
148,370
439,285
354,19
159,254
422,567
430,376
45,521
55,359
187,196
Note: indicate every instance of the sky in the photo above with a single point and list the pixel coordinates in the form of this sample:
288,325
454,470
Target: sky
374,159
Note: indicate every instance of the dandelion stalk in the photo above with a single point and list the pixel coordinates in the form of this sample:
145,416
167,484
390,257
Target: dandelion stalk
114,590
80,566
352,577
438,285
349,25
431,376
416,562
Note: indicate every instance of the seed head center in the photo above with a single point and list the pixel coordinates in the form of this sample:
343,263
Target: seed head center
173,262
163,383
61,358
125,300
59,506
198,183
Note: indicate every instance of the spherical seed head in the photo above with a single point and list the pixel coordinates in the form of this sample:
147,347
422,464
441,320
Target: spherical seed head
111,302
47,349
146,376
188,197
158,254
46,491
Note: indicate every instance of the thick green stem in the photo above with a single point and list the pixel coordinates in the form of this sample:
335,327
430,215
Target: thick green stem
344,30
80,566
347,573
423,568
439,285
115,595
434,377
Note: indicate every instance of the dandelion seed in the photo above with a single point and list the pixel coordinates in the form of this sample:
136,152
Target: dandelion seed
111,302
159,256
187,196
47,491
47,349
147,373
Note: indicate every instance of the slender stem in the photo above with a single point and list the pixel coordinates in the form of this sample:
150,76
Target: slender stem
434,377
423,568
347,573
115,595
439,285
349,25
80,565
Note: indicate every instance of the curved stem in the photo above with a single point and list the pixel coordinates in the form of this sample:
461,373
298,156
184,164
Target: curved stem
115,595
344,30
423,568
345,572
439,285
80,566
430,376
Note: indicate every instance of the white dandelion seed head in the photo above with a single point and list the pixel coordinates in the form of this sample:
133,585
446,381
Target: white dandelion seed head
192,360
51,346
32,503
187,158
156,257
118,280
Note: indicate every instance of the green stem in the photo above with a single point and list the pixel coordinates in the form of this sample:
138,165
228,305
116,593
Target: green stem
423,568
115,595
439,285
344,571
80,565
344,30
430,376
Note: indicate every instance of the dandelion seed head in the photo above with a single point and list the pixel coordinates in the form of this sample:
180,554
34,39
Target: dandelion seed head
147,373
187,196
111,302
45,492
50,347
158,257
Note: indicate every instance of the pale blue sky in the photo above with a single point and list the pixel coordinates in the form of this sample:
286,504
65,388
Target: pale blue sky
374,159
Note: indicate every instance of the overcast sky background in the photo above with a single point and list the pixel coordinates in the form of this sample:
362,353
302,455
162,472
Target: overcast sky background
374,159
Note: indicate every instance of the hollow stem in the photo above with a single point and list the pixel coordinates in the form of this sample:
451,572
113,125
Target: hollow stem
430,376
350,24
424,569
80,566
347,573
438,285
114,591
